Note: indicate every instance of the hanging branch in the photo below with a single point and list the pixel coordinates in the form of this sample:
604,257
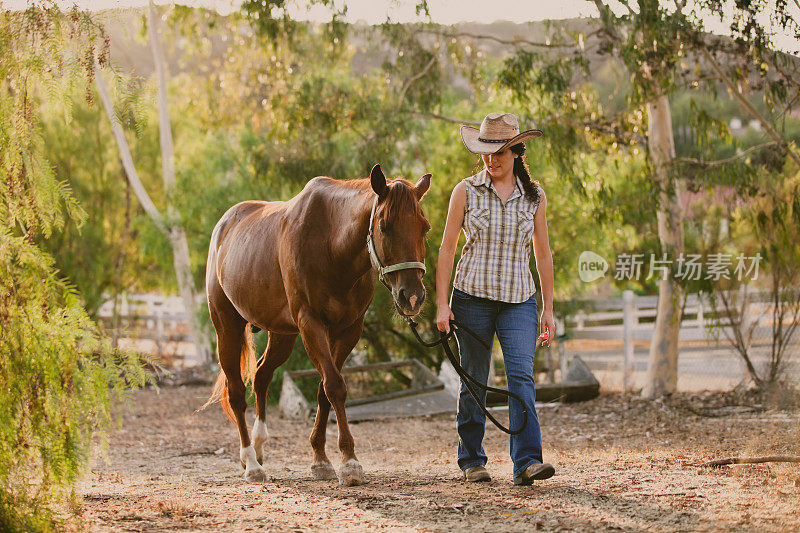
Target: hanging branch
727,160
747,105
511,42
445,118
414,78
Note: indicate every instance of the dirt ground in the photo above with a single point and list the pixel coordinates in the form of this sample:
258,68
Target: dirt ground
622,464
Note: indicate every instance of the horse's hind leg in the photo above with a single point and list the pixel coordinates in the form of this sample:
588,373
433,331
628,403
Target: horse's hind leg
279,348
238,404
233,344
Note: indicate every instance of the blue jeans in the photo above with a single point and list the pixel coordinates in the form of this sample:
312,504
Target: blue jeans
517,327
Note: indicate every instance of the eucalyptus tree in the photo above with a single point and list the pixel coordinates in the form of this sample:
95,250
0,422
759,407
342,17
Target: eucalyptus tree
759,59
663,51
648,43
167,222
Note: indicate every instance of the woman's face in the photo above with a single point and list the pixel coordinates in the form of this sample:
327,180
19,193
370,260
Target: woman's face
500,164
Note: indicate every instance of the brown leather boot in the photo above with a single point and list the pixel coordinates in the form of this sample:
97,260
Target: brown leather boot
536,471
476,474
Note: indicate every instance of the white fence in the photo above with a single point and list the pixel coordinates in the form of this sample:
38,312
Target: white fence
157,324
608,319
151,323
632,318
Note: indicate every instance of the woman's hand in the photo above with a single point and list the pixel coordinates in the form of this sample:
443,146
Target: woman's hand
546,323
443,317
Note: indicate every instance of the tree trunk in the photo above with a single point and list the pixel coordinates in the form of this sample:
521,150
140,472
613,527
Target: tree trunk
662,367
177,236
186,287
127,159
170,225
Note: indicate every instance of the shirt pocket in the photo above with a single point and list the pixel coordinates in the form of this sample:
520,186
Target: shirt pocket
525,225
478,219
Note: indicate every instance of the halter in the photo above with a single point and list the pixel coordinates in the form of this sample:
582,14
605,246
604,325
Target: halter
383,270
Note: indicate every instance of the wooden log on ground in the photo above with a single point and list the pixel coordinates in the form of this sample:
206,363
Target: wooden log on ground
579,385
753,460
567,391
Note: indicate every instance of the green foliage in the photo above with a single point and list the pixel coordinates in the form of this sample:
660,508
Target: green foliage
104,256
259,118
59,379
260,104
59,376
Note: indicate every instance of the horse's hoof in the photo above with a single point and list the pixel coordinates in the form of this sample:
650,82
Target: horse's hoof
323,471
351,474
256,475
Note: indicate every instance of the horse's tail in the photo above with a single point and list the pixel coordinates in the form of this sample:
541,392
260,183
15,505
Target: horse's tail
247,367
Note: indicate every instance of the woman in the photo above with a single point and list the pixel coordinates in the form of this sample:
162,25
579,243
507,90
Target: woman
500,210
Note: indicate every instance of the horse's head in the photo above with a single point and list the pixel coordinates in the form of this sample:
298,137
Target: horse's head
398,234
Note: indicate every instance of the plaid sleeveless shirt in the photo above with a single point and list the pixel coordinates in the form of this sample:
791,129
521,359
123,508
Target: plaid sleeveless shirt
495,260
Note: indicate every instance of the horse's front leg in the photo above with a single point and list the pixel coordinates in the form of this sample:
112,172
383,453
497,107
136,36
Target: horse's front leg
351,472
322,467
322,355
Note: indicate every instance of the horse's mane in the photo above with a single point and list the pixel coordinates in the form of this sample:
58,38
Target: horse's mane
400,197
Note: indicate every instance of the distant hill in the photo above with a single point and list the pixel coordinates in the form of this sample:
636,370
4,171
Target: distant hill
132,53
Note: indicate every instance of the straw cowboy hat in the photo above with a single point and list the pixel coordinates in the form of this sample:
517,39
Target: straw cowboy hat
497,131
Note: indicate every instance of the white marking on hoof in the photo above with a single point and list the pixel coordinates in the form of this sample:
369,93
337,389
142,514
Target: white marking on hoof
253,472
351,474
259,439
323,471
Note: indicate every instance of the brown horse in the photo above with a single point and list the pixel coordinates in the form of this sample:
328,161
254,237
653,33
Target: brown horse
303,266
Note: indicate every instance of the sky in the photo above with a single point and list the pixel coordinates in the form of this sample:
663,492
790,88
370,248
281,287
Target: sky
375,11
442,11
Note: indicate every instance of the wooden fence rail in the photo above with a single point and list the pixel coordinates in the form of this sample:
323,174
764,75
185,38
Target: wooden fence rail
151,317
632,318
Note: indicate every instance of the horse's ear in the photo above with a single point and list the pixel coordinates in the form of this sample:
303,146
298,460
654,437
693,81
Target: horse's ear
378,181
422,186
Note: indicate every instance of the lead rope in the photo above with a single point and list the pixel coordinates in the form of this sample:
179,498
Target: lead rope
469,381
